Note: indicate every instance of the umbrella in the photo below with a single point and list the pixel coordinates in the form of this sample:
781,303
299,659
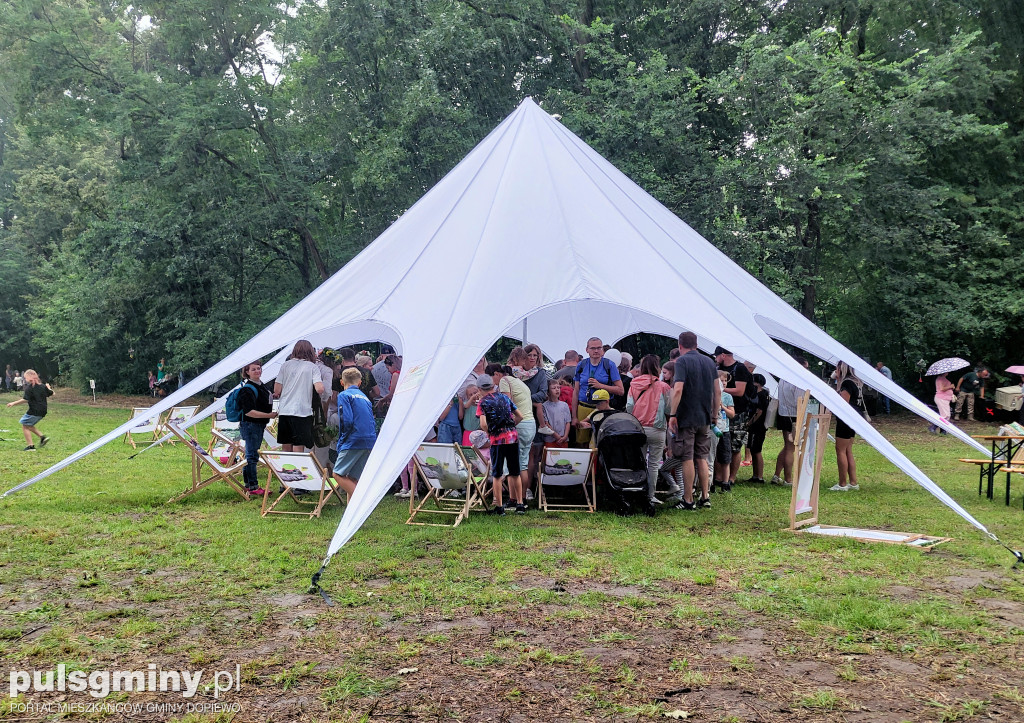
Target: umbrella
1016,369
947,365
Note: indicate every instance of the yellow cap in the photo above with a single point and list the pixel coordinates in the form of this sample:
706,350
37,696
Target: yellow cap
601,395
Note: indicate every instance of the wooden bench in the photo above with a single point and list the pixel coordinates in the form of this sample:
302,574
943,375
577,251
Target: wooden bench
1013,468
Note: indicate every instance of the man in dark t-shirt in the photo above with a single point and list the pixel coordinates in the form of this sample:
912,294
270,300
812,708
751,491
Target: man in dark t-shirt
696,398
743,394
367,386
971,385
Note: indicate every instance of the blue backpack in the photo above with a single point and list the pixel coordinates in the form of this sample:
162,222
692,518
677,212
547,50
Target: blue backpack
232,409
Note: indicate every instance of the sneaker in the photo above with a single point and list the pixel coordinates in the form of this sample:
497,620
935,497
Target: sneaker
853,487
838,488
453,494
726,486
520,509
757,480
43,441
30,448
674,490
404,494
496,510
684,505
258,492
704,503
528,497
545,430
776,480
745,463
655,501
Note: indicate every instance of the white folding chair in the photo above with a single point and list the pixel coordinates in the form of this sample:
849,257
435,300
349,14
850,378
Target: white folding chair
564,468
180,416
443,468
226,443
297,471
148,427
201,460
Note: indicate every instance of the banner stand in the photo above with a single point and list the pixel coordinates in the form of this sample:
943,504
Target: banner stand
811,436
810,433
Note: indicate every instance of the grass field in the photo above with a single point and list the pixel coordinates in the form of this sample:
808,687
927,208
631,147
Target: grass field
719,614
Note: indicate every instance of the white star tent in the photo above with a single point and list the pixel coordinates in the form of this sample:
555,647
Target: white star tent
535,232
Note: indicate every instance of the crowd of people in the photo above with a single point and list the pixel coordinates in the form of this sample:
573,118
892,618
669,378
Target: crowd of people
699,412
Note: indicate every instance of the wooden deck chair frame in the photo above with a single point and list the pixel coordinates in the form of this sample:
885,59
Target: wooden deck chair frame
174,416
223,439
434,502
202,460
307,462
553,455
151,432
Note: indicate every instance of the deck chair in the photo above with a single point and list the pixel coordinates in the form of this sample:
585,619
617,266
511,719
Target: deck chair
226,443
203,461
148,429
297,471
564,468
443,468
180,416
270,439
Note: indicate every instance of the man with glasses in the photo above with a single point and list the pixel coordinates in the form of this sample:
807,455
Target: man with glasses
593,373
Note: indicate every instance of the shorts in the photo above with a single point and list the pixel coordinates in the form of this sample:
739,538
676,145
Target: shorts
351,462
29,420
755,439
448,433
785,424
505,455
844,430
692,443
723,452
738,431
295,431
527,431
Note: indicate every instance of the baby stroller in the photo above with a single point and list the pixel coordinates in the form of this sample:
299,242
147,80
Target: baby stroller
621,464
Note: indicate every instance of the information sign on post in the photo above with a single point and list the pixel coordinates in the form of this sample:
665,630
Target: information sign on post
92,385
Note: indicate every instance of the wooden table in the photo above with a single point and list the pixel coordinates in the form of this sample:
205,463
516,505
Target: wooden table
1001,459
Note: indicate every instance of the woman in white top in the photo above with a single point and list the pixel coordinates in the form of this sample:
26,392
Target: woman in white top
298,379
785,421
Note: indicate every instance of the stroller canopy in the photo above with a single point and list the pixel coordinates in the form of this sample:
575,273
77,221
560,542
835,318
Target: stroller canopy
622,428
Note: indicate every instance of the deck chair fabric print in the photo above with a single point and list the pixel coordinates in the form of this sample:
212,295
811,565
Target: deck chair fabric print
564,468
445,471
180,416
297,472
206,469
147,430
226,443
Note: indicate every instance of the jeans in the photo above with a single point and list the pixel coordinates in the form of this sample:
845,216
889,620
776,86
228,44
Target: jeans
655,454
252,434
448,433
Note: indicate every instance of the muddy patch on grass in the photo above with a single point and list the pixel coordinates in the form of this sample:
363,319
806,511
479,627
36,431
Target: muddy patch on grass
288,600
970,579
1006,612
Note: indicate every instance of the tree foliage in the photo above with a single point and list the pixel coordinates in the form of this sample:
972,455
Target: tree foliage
173,175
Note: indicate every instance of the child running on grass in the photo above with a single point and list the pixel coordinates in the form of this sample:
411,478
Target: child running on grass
35,397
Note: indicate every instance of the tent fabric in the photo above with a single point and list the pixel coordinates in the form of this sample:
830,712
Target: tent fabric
467,265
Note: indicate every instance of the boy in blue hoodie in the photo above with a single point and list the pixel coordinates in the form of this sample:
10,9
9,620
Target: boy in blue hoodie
357,431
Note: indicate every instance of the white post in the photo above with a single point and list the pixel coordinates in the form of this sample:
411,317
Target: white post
92,385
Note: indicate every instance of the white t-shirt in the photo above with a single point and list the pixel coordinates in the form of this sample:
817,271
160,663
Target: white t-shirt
296,378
